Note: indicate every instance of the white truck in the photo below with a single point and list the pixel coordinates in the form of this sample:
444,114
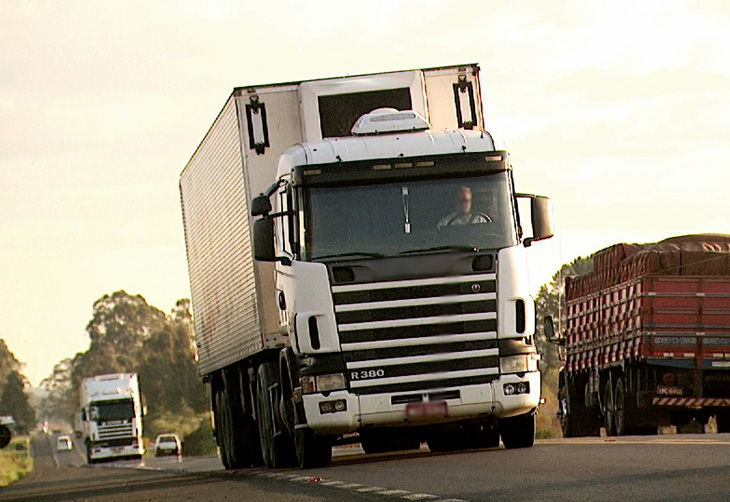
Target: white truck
111,417
358,272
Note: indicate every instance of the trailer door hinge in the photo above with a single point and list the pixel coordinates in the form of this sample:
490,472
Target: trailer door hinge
466,112
258,129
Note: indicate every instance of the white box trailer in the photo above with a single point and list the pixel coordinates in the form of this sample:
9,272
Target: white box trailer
254,304
233,296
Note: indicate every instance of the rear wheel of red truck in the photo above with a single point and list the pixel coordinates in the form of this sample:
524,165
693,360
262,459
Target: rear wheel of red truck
619,408
518,432
609,410
576,420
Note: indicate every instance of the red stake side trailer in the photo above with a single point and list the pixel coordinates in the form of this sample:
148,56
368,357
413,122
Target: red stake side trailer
648,338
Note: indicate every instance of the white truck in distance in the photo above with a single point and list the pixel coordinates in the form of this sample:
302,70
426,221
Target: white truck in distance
357,265
111,417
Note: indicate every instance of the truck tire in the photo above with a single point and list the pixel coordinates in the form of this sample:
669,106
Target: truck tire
518,432
89,460
609,410
221,428
276,450
312,450
241,432
576,420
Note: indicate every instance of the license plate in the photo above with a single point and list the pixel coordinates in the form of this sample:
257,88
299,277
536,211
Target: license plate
117,450
721,364
426,411
665,390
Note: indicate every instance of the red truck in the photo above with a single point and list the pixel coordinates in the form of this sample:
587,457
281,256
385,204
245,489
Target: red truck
647,342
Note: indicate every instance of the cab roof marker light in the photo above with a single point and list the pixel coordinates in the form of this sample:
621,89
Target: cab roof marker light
381,167
403,165
493,158
425,163
310,172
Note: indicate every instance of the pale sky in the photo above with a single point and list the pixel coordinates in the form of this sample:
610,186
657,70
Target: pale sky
619,111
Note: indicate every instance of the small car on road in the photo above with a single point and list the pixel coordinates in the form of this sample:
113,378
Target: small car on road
64,443
167,444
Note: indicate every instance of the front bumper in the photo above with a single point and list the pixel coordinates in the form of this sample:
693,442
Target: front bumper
102,452
377,410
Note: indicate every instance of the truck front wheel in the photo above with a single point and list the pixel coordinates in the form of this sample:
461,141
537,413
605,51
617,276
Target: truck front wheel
312,450
518,432
89,460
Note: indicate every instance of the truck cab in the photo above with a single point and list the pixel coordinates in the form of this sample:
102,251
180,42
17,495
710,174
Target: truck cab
388,270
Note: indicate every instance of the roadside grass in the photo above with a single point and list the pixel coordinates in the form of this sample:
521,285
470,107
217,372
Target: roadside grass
15,461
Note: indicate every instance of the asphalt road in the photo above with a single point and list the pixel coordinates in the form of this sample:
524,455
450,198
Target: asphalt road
658,468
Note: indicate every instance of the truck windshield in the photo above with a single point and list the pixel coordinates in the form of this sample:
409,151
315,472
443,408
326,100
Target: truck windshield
410,217
115,410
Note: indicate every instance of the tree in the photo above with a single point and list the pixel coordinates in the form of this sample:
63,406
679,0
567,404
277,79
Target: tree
550,301
59,401
14,401
127,335
8,363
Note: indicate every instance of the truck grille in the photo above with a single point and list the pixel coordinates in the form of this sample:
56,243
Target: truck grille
418,334
116,431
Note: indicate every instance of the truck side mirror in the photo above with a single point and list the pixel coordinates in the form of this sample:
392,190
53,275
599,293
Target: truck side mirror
263,239
549,331
541,212
260,206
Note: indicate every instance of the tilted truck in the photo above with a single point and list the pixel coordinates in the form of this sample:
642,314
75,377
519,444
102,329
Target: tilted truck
357,265
648,338
111,417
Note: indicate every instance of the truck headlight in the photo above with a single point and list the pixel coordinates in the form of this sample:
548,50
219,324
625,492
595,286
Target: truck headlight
333,381
322,383
514,364
521,363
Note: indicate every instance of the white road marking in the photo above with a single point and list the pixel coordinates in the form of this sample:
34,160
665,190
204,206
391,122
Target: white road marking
420,496
332,483
393,493
370,489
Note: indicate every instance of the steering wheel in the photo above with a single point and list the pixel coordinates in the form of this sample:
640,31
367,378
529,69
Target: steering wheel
483,215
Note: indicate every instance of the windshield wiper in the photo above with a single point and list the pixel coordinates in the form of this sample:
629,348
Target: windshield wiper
353,253
441,248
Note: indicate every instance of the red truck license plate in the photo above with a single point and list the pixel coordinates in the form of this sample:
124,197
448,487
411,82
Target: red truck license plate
425,411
